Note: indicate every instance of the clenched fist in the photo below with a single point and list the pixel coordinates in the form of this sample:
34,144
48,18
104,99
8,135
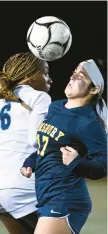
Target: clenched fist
68,154
26,171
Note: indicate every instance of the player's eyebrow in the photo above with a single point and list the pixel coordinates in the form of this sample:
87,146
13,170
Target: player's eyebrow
83,73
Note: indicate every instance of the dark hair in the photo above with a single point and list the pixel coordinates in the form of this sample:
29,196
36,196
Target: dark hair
101,64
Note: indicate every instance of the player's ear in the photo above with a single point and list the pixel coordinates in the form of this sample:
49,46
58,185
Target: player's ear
94,90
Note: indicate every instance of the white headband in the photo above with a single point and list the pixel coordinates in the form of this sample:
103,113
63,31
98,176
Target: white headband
97,79
94,73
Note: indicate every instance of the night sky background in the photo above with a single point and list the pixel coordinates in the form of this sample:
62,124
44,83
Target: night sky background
88,24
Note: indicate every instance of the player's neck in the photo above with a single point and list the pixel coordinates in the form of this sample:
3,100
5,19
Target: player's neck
71,103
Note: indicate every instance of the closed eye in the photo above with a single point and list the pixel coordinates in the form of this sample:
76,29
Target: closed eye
79,75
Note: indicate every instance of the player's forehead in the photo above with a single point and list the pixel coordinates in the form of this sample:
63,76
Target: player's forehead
81,69
44,67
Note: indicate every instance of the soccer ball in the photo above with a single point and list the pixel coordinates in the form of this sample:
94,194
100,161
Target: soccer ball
49,38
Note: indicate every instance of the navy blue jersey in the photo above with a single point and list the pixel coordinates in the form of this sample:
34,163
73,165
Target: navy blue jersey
79,128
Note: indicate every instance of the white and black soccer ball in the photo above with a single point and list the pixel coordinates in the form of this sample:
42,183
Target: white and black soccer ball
49,38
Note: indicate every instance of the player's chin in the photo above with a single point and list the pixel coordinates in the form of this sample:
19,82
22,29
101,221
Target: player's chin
67,92
48,88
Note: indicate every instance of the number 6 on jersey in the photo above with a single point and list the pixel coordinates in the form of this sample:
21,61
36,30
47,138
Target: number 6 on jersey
5,119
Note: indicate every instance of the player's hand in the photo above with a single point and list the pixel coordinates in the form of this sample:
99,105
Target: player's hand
68,154
26,171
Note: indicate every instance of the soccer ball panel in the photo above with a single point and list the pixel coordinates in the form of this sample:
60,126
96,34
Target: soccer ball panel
37,35
59,32
47,19
52,52
68,44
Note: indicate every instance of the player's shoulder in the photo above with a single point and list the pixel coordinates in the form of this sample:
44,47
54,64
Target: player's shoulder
57,103
2,102
90,119
31,96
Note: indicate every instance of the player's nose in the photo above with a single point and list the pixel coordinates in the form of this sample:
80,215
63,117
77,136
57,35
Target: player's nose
50,81
74,77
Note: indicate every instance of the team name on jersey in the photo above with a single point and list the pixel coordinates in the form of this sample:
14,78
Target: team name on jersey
51,130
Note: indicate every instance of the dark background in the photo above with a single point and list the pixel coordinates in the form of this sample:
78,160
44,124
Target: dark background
88,24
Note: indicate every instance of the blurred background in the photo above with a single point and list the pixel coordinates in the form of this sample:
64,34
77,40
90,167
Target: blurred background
88,24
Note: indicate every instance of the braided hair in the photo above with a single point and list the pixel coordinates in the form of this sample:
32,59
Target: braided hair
19,67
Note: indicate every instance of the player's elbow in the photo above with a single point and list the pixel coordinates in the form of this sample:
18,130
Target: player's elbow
98,173
97,176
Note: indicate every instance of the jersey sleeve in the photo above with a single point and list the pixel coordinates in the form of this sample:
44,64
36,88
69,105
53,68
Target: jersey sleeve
37,115
39,102
94,164
29,95
30,161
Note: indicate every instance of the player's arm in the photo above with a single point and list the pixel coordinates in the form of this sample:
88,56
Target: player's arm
39,102
94,164
37,115
29,165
